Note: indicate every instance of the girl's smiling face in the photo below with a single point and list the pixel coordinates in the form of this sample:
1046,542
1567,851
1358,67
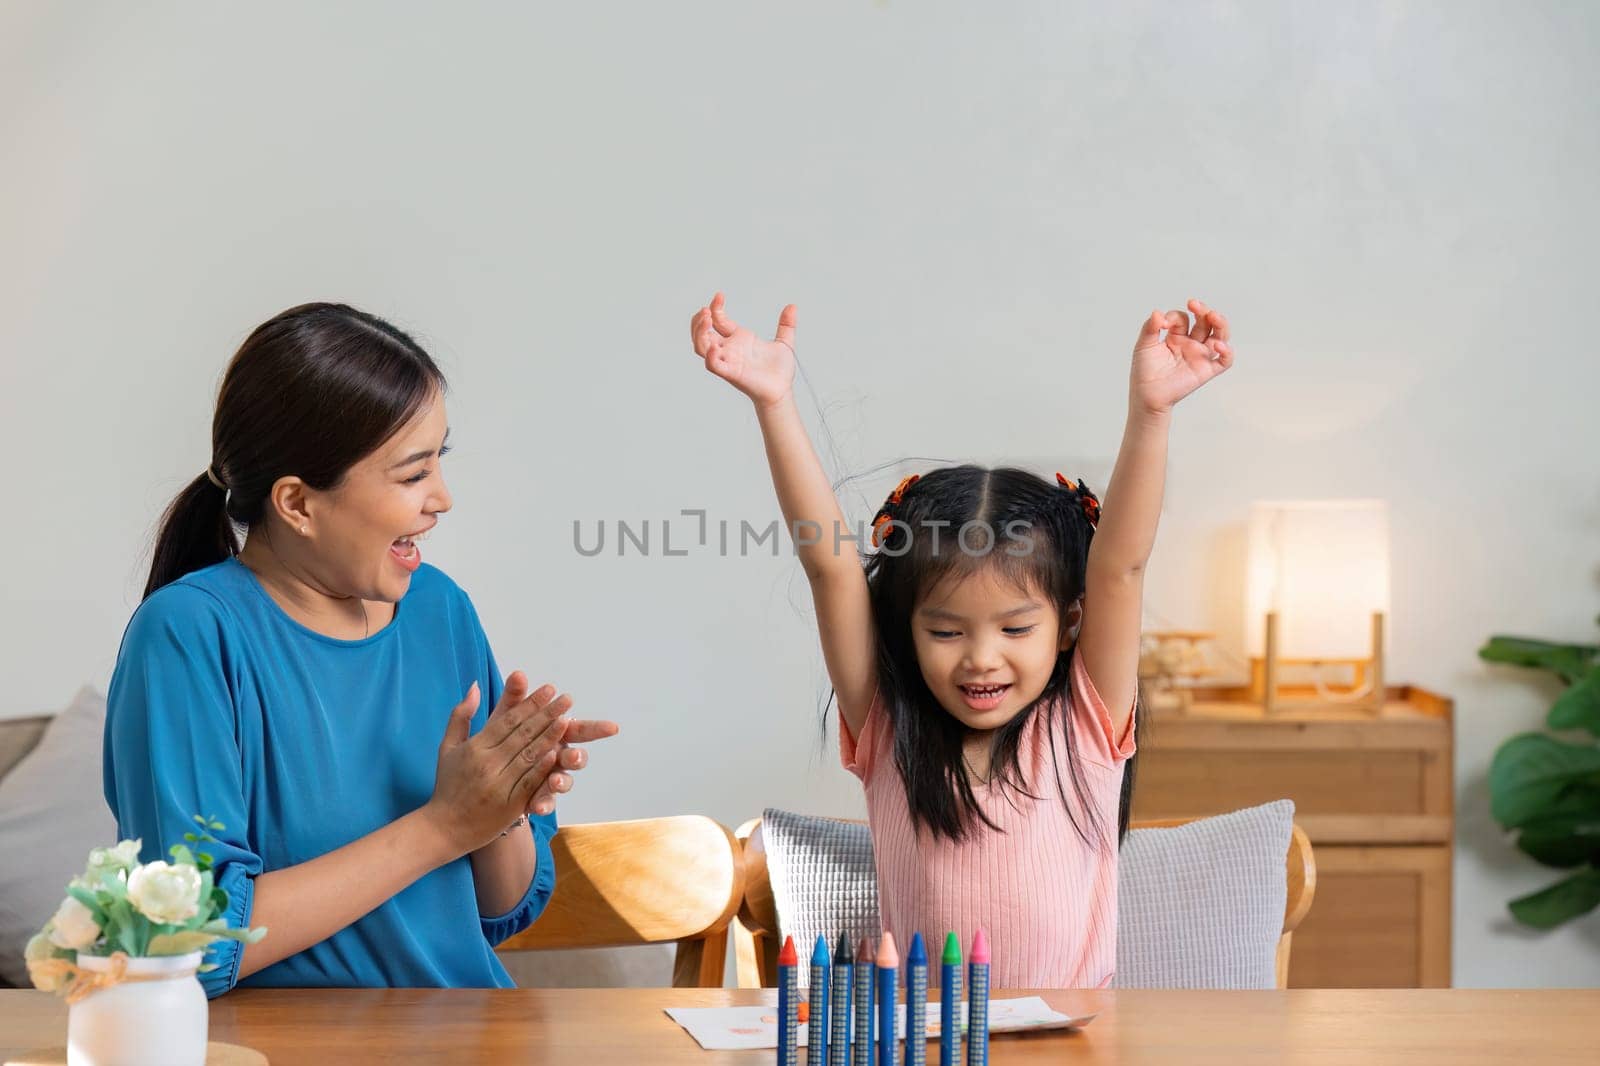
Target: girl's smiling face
987,647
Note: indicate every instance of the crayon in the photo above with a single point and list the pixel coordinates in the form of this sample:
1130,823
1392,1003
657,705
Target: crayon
950,1001
843,970
978,1002
788,1005
888,997
862,1050
817,1044
916,1003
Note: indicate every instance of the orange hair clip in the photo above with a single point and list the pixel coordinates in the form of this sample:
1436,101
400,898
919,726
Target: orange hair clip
881,523
1086,499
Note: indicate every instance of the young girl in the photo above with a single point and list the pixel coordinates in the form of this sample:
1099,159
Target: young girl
985,659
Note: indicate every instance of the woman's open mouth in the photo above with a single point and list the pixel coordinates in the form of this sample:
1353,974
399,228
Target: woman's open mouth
406,552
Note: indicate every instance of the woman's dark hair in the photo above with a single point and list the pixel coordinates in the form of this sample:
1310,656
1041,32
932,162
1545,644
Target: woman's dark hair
950,523
309,393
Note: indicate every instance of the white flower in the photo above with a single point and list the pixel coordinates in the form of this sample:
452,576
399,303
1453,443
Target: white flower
119,859
165,894
39,950
74,926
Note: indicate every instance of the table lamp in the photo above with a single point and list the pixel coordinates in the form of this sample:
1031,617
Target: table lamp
1318,597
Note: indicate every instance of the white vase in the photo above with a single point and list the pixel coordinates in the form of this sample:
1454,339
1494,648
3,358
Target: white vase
159,1022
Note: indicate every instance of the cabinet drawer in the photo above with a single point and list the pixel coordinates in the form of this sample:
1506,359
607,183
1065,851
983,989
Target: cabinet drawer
1180,783
1380,919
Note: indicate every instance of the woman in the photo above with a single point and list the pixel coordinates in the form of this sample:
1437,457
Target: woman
296,688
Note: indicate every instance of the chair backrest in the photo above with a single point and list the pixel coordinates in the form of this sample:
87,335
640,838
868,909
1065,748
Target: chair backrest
755,930
651,881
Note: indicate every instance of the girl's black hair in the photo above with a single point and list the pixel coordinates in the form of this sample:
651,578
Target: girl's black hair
311,392
1037,536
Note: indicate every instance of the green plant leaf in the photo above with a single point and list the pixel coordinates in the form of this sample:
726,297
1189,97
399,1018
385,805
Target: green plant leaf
180,943
1579,706
123,926
1534,775
181,856
1569,661
1563,840
1566,899
90,900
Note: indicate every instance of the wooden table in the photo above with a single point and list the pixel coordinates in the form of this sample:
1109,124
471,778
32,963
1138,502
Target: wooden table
600,1027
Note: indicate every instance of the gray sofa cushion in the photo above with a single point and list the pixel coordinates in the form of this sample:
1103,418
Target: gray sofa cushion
52,811
1201,905
823,879
18,737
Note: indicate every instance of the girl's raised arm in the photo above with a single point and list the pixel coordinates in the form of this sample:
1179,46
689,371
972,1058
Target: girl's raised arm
764,371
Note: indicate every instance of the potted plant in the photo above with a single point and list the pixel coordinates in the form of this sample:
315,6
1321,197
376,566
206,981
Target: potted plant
124,949
1547,789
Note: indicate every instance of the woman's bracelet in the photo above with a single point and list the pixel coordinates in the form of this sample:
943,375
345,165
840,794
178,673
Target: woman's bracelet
522,820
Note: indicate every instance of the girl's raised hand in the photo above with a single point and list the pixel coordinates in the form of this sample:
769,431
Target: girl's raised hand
762,370
1166,369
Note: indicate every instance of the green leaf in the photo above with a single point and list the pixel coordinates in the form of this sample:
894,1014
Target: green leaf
216,825
1563,840
1562,901
1579,706
123,927
199,820
1569,661
90,900
243,936
1534,776
180,943
181,856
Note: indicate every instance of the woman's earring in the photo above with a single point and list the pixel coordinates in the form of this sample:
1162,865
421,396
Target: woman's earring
305,529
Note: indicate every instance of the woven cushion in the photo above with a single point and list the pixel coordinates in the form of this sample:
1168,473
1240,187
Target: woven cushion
52,811
1201,905
823,879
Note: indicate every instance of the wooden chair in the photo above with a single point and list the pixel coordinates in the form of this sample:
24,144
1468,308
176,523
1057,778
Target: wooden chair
652,881
754,933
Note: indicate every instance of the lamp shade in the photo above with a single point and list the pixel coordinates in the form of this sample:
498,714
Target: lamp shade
1323,567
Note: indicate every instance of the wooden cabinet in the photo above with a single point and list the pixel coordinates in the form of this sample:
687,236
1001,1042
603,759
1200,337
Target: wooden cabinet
1373,792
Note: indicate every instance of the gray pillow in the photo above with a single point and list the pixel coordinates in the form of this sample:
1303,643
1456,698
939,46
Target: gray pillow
1201,905
52,811
823,879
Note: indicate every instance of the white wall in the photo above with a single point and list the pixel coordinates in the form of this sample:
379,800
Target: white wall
973,205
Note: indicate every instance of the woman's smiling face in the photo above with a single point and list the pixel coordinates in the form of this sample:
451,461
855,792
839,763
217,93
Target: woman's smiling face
364,530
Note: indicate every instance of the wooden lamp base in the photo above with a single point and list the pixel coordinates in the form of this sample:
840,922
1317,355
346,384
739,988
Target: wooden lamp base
1366,691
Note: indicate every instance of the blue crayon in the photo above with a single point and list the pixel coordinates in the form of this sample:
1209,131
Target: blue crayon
916,1003
843,970
788,1005
950,1002
978,1002
862,1049
817,1045
888,997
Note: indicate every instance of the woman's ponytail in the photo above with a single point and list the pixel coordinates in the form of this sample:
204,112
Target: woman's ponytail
195,532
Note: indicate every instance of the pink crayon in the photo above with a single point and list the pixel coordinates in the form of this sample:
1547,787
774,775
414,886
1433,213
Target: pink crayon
978,1001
